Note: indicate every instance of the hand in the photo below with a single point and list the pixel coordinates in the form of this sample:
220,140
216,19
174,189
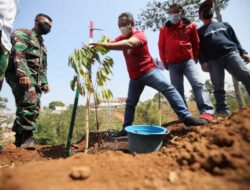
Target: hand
105,39
25,82
165,66
95,44
246,58
105,45
205,67
45,88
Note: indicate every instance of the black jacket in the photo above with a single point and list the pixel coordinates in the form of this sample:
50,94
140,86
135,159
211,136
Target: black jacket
217,39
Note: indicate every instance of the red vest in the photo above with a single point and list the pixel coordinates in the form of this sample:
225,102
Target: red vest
178,43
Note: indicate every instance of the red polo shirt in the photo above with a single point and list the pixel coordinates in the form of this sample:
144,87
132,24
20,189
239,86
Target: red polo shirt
178,43
138,59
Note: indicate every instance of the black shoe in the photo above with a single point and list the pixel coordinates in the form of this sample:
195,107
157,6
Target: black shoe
190,122
223,114
18,139
29,141
120,134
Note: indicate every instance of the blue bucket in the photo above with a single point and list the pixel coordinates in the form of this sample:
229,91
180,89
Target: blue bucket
145,138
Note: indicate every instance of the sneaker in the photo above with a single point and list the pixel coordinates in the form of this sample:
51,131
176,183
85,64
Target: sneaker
119,135
29,141
222,114
207,116
18,139
191,122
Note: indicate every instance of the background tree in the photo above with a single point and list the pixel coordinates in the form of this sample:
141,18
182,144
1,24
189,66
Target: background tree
3,102
157,96
209,86
155,14
54,104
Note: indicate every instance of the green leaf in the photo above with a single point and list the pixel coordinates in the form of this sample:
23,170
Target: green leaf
73,83
97,98
80,89
82,61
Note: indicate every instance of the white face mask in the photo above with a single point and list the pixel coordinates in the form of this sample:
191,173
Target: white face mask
175,18
125,30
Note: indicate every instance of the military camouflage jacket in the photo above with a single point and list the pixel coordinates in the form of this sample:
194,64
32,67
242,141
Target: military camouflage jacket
28,56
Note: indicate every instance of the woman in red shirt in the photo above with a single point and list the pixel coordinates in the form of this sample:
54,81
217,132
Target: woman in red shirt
142,72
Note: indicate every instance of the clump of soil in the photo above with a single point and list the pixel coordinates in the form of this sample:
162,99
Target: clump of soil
11,155
218,149
216,156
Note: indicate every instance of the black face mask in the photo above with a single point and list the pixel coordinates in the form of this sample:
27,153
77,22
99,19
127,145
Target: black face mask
207,14
43,28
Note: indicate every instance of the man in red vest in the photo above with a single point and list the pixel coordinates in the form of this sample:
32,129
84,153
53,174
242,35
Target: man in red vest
178,49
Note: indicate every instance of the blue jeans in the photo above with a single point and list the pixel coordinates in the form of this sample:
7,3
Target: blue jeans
192,72
156,80
235,65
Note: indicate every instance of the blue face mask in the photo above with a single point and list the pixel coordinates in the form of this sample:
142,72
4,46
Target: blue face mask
175,18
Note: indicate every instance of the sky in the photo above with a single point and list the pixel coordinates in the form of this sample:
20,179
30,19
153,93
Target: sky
71,29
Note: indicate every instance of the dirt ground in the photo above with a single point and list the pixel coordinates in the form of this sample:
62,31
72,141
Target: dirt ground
216,156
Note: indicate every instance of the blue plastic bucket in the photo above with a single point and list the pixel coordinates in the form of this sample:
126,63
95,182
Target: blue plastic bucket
145,138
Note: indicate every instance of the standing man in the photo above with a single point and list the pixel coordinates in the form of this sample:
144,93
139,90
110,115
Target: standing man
220,50
27,77
142,72
178,48
8,11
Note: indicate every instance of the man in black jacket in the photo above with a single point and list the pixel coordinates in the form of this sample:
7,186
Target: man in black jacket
220,50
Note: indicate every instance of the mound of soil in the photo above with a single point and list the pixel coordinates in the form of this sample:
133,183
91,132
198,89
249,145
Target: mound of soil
216,156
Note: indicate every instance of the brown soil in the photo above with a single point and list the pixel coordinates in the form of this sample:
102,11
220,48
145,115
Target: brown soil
216,156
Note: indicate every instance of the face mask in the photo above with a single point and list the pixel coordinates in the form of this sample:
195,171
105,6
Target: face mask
207,14
125,30
174,18
43,28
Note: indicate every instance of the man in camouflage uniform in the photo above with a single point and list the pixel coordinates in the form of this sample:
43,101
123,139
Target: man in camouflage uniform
27,77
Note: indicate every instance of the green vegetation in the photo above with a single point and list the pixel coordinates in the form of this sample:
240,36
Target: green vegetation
230,95
53,128
54,104
1,137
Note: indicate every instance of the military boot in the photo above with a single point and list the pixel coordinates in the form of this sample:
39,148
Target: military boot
18,139
29,141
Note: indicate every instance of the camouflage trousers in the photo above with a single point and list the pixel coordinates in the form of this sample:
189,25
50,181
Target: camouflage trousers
4,58
28,106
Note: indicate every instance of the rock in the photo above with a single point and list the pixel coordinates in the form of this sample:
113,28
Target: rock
80,173
194,167
173,177
218,171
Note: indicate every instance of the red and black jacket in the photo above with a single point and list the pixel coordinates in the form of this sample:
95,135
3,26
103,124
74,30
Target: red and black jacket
178,43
